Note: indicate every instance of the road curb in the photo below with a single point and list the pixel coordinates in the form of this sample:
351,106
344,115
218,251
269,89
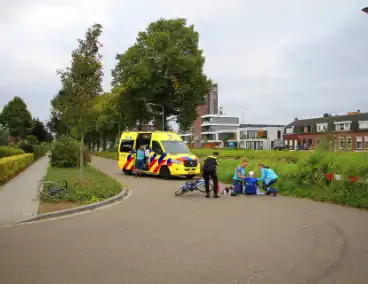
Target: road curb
75,210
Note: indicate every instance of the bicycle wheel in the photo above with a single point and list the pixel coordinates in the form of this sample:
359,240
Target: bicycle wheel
46,182
180,191
201,187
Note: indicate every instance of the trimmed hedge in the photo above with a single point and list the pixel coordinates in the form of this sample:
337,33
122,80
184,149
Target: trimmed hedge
10,166
7,151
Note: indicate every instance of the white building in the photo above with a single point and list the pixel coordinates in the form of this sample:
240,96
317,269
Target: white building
220,130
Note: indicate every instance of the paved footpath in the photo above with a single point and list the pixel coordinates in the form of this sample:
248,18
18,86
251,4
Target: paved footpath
155,237
19,197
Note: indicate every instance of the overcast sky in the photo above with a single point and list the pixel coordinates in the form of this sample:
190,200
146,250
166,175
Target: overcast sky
298,58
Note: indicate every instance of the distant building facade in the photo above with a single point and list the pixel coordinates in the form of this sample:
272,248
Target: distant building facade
342,132
219,130
210,106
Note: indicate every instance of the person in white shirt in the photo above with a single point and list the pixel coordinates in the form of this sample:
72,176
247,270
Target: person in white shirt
146,154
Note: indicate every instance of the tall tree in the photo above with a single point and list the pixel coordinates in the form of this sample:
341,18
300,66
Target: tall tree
82,83
57,123
39,130
16,118
109,120
165,67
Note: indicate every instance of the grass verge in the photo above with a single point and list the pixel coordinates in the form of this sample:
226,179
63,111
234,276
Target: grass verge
301,174
108,155
95,187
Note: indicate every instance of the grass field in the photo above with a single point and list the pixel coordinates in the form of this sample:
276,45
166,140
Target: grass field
301,174
95,187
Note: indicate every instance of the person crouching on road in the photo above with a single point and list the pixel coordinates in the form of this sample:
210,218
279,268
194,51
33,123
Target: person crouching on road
251,187
139,161
210,171
239,176
269,178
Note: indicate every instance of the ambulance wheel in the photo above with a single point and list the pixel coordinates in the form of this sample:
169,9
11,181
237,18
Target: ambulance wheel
128,173
165,173
190,176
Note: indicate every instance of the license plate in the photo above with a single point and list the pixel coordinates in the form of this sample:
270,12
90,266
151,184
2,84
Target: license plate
191,173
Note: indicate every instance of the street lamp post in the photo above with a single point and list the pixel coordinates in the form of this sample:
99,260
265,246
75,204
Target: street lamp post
163,113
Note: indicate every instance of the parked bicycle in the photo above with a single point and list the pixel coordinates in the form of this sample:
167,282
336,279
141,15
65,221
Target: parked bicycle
53,188
190,186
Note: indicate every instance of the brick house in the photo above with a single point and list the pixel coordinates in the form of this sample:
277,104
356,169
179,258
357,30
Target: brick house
343,132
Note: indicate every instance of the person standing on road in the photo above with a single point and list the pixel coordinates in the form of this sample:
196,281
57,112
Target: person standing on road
146,155
139,161
210,171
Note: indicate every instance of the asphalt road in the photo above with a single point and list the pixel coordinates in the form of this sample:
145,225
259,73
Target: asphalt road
155,237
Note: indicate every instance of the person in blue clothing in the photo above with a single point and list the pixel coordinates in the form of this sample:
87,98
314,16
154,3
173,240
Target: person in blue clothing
251,184
268,177
239,176
140,157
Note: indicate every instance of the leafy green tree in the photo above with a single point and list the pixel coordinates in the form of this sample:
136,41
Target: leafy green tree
16,118
165,67
3,136
109,120
81,83
57,123
39,130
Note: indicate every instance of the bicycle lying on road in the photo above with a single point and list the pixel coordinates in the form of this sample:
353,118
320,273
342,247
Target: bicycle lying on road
53,188
190,186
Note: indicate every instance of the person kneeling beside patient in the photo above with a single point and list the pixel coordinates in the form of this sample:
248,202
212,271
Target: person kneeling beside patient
269,178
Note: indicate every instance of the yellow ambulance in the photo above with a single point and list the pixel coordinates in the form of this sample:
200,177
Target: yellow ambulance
168,155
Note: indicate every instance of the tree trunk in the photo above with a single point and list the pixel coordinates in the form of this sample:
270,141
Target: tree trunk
81,163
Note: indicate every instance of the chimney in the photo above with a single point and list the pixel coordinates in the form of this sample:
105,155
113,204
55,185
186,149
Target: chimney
358,110
295,119
325,115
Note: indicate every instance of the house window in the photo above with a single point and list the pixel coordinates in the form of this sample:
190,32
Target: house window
278,134
359,142
363,124
289,130
252,134
366,142
342,143
342,126
286,142
348,143
322,127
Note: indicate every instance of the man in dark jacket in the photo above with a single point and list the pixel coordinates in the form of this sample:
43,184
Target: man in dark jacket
209,171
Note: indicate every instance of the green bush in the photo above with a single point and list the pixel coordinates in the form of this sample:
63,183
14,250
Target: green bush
31,139
26,146
3,137
10,166
6,151
65,153
40,151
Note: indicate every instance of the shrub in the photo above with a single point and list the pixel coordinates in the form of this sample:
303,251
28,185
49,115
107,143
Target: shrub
65,153
10,166
26,146
40,151
3,136
31,139
6,151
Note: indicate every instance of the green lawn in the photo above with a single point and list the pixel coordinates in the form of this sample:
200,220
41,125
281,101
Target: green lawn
95,187
109,155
